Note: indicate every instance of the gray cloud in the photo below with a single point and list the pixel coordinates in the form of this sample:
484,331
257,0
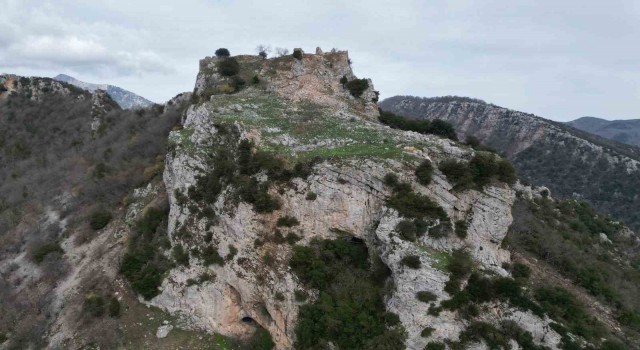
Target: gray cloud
561,60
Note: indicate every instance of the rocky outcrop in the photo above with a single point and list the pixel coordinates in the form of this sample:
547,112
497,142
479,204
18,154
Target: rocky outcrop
255,285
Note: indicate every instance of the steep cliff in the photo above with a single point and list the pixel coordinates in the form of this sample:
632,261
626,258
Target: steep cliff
572,163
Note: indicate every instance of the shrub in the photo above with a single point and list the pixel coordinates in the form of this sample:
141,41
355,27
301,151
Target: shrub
460,264
456,172
441,230
297,54
261,340
411,261
292,238
519,270
280,296
427,331
349,311
344,80
412,205
311,196
180,255
287,221
232,252
300,295
40,252
255,79
472,141
461,229
228,67
442,128
391,180
114,307
424,172
357,86
426,296
211,256
506,172
222,52
434,346
237,83
99,218
407,230
483,167
94,305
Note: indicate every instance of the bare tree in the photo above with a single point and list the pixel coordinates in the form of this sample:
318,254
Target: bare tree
263,50
281,51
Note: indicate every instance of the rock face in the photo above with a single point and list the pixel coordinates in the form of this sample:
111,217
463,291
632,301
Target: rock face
250,289
544,152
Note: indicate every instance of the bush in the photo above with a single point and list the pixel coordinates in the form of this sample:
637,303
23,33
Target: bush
114,307
99,218
426,296
237,83
344,80
357,86
311,196
434,346
222,52
413,205
460,264
407,230
442,128
519,270
436,127
461,229
287,221
211,256
255,79
349,311
441,230
180,255
424,172
300,295
456,172
261,340
411,261
94,305
42,251
228,67
144,265
427,331
297,54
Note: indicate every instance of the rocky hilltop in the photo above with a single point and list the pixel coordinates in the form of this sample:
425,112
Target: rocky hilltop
572,163
281,213
624,131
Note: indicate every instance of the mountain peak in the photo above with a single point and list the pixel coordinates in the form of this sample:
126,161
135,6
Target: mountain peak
125,99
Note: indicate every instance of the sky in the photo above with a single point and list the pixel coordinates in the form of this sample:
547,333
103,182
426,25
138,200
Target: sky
557,59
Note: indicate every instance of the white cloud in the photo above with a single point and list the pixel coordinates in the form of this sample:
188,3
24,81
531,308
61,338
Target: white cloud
560,60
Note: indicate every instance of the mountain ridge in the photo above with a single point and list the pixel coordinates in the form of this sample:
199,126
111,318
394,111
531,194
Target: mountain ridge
544,152
624,131
126,99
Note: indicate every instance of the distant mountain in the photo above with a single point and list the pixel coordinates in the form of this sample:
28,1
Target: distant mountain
625,131
126,99
571,162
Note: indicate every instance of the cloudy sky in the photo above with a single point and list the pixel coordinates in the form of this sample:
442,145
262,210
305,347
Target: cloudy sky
557,59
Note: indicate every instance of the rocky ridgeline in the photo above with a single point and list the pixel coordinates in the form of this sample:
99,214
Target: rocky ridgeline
544,152
294,97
